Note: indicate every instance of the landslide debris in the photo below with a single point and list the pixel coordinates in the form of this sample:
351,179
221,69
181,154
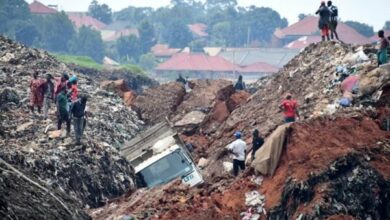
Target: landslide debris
91,173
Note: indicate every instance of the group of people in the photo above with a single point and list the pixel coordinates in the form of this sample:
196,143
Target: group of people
64,93
328,20
237,148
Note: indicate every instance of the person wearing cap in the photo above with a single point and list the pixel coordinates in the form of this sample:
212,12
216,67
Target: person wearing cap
289,107
238,149
78,111
48,91
324,21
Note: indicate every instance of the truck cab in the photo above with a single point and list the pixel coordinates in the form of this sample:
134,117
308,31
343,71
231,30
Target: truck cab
159,156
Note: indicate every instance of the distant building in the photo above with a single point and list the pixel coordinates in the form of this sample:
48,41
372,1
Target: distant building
162,52
309,27
198,65
37,7
303,42
277,57
113,35
80,19
198,30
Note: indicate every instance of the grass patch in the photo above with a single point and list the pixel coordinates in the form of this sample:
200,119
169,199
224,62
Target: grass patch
133,69
82,61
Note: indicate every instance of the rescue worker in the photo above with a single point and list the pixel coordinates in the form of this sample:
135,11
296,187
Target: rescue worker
257,142
36,92
238,149
48,91
78,111
289,107
62,110
384,44
324,21
240,85
334,13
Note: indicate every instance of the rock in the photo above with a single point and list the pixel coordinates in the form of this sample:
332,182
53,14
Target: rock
237,99
129,98
7,57
203,162
24,126
228,167
118,86
192,118
55,134
220,112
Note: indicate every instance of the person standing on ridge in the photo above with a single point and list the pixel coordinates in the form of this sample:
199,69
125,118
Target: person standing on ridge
334,13
62,110
324,21
48,91
289,107
238,149
36,92
257,142
383,47
240,85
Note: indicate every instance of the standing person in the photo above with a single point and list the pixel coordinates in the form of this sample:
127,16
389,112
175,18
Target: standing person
48,91
240,85
323,23
62,111
74,91
383,47
238,149
36,93
289,107
78,112
334,13
257,142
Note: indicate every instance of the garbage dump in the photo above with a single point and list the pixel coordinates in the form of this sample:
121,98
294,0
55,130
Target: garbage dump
332,161
90,174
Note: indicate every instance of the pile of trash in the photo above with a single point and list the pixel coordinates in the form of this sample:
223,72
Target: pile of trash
91,173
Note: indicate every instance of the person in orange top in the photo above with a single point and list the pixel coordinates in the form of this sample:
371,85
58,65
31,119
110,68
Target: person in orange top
74,91
289,107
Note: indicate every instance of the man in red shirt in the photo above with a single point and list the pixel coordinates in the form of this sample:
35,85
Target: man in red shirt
289,107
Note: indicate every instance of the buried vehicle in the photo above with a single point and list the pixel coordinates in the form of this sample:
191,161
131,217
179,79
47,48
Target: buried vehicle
159,156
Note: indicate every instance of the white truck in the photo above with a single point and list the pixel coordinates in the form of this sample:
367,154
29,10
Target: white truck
159,156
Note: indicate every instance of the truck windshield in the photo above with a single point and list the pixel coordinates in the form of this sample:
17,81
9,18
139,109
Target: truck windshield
164,170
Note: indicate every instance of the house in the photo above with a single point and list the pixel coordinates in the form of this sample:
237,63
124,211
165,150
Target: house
162,52
113,35
198,30
303,42
37,7
277,57
80,19
199,65
309,27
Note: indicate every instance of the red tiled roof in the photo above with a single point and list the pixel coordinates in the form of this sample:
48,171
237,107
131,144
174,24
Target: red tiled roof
196,62
303,42
259,67
198,29
163,50
124,32
309,26
38,8
80,19
375,38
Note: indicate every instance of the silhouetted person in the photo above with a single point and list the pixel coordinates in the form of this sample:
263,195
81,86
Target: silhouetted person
240,85
324,21
334,13
257,142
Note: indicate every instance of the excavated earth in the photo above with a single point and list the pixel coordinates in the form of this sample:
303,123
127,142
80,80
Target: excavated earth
89,174
333,166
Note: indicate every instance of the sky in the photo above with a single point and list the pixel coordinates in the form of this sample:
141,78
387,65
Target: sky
374,12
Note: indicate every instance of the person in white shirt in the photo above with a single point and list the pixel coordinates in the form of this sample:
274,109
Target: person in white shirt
238,149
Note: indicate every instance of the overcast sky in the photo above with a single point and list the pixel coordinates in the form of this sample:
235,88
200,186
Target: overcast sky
373,12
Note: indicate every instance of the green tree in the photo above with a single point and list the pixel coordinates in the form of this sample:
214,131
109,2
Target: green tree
102,12
56,32
386,26
221,3
198,45
302,16
147,61
178,35
88,42
25,32
362,28
147,36
128,48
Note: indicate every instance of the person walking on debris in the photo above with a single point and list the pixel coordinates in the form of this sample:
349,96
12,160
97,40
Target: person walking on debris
383,47
62,111
257,142
36,93
240,85
324,21
73,89
181,79
48,91
289,107
78,111
334,13
238,149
